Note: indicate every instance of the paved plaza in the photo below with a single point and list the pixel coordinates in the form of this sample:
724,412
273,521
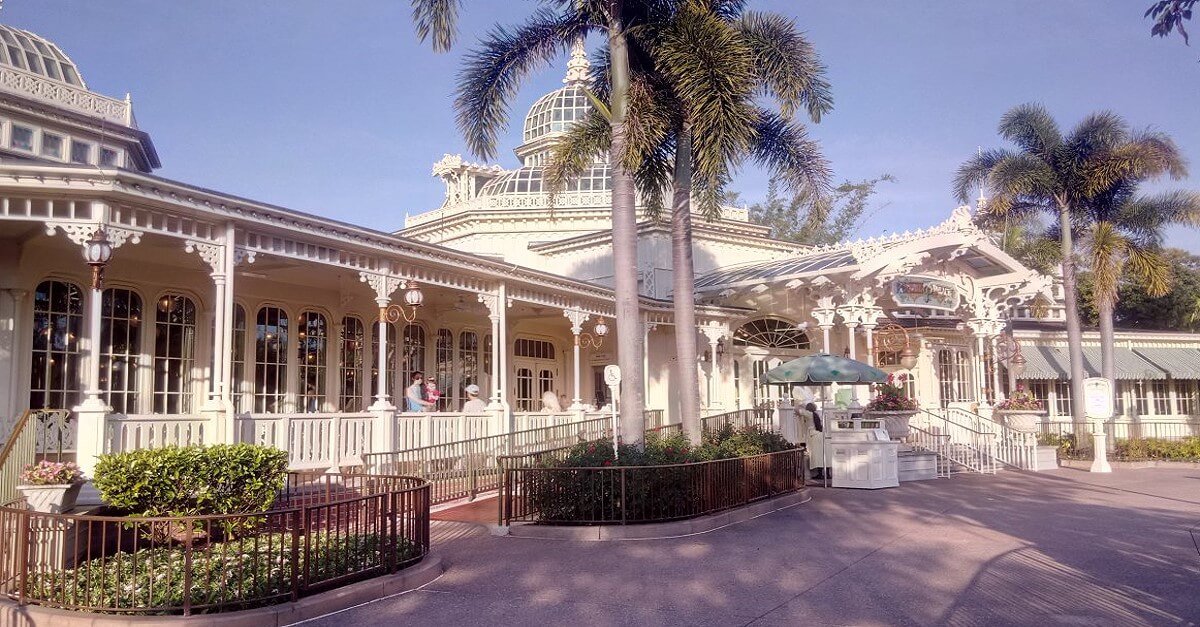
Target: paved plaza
1059,548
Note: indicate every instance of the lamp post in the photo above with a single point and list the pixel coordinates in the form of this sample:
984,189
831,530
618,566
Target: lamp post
413,299
98,251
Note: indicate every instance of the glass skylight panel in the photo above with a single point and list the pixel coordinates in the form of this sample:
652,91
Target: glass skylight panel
35,62
69,74
51,68
17,58
8,38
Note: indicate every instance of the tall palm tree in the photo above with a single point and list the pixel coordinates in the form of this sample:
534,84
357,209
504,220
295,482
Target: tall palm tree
693,117
490,79
1124,237
1058,174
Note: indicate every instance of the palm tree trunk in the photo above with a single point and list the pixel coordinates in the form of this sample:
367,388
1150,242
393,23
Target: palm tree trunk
1074,331
1108,369
624,233
683,294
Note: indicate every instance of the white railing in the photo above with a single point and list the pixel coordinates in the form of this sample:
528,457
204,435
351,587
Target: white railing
526,420
1012,447
936,443
420,429
128,432
64,95
966,446
311,440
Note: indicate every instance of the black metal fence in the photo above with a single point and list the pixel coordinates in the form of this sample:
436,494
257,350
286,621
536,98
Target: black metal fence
324,532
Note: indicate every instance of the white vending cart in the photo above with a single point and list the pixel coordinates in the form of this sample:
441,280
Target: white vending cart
860,453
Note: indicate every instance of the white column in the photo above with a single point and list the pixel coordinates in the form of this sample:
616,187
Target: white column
492,303
870,329
825,328
998,394
382,400
981,370
714,332
503,344
646,329
850,326
577,318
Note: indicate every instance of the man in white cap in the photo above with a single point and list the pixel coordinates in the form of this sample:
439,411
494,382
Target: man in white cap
474,404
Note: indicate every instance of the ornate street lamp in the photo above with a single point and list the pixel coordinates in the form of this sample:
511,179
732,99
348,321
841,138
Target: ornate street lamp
413,298
890,337
98,251
588,340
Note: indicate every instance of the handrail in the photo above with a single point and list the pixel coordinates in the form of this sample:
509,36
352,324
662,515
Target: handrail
967,446
1014,447
935,443
757,417
20,450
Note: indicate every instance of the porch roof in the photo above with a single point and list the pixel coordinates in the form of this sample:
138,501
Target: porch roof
1049,362
1180,363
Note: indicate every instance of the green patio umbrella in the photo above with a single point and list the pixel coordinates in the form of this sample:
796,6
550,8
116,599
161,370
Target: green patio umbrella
823,369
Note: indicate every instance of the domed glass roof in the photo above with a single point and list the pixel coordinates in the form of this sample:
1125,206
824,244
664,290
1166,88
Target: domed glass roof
556,112
24,50
528,180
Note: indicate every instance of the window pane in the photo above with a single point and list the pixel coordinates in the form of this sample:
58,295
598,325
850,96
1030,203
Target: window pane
81,152
108,157
350,396
174,348
52,145
311,343
270,368
22,138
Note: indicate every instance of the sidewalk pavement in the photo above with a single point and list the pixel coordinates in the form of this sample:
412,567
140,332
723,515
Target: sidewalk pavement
1057,548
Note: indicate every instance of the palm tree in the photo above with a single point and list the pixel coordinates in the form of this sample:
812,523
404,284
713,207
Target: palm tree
1125,235
1058,174
693,117
488,82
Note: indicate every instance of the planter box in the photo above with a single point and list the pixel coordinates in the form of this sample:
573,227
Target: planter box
895,422
52,499
1019,419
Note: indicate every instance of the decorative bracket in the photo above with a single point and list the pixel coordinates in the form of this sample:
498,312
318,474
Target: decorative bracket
211,254
383,285
577,318
240,254
80,232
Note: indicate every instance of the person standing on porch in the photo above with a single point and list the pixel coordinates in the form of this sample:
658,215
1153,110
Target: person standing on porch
474,404
414,396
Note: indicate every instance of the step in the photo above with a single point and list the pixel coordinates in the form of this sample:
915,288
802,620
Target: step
916,466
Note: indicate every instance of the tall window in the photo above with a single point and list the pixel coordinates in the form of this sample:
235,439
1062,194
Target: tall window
759,392
1141,400
237,353
468,358
1124,392
350,396
312,339
413,358
1062,398
174,351
545,382
737,385
444,368
270,360
526,400
1186,397
954,375
1162,398
1041,391
120,335
390,375
57,320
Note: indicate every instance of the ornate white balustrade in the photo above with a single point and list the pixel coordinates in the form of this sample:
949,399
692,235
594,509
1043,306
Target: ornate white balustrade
418,429
134,431
318,441
61,94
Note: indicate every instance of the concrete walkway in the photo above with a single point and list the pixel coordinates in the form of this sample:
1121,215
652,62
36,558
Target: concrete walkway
1058,548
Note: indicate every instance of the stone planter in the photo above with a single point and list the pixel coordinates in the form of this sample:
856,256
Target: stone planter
1025,420
895,422
52,499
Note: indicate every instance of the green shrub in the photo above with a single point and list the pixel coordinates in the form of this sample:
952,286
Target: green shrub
248,572
193,481
1148,449
1064,442
650,493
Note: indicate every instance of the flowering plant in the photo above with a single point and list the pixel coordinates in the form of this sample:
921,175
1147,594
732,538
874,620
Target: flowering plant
891,398
47,472
1022,400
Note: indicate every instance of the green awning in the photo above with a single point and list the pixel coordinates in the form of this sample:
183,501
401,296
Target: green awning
1179,363
1048,362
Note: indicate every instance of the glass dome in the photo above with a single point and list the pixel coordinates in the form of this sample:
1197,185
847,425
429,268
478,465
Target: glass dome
555,112
25,51
528,180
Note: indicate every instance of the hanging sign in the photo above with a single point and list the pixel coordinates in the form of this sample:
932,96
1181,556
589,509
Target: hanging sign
925,293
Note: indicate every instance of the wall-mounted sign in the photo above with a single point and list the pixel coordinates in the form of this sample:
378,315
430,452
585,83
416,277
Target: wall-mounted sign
1098,398
925,293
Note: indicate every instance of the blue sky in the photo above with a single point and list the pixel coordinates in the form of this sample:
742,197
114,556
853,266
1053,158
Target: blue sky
334,108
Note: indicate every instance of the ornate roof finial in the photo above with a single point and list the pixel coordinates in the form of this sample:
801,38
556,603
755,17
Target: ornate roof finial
982,198
577,65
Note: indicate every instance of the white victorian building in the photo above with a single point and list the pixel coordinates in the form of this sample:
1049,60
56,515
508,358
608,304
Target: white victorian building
221,319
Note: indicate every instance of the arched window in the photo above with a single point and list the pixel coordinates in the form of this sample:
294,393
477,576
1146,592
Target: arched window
350,396
312,339
770,333
468,358
270,360
413,358
174,351
120,347
57,322
238,357
396,391
444,368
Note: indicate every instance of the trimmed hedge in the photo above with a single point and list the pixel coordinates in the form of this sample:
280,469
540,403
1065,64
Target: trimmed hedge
1129,449
193,481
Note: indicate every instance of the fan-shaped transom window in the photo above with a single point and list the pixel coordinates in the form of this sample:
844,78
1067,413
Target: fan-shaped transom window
770,333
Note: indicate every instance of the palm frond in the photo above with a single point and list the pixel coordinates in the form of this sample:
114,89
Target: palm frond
788,66
1031,127
783,146
653,178
1152,268
436,20
1021,175
1097,133
575,151
1105,249
493,72
974,172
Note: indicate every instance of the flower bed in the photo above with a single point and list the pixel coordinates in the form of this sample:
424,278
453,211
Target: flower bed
322,532
666,480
